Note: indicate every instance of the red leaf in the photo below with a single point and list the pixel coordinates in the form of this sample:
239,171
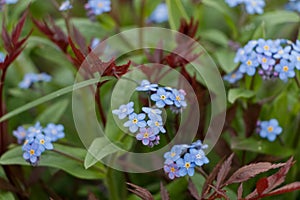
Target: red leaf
163,192
240,192
193,190
261,185
285,189
249,171
18,29
224,170
6,39
141,192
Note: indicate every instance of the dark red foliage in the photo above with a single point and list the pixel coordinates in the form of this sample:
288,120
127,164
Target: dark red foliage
163,192
189,28
139,191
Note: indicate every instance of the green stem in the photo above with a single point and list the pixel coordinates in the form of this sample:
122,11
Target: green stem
297,81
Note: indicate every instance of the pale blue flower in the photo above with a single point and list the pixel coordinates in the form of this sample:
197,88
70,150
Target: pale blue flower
270,129
124,110
186,165
135,122
171,170
146,135
161,98
153,114
233,77
160,14
54,132
285,70
66,5
199,157
157,126
146,86
20,134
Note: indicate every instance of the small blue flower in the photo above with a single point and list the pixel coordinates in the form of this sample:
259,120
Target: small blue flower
296,46
135,122
44,77
161,98
283,53
20,134
295,58
233,3
285,70
254,6
146,135
174,154
270,129
32,153
240,55
160,14
2,57
293,6
124,110
199,157
178,98
186,165
31,78
171,170
146,86
97,7
153,114
44,142
156,125
265,61
54,132
250,46
35,130
233,77
267,47
198,145
11,1
249,65
66,5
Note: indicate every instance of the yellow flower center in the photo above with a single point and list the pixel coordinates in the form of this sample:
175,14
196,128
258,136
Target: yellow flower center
162,97
298,58
281,51
187,165
178,98
172,169
100,5
31,151
264,60
146,135
233,75
266,48
156,123
285,68
253,3
134,121
23,134
42,141
270,129
173,154
249,62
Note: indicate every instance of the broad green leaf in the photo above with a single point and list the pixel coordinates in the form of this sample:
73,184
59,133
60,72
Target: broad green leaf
261,146
51,96
237,93
6,196
99,148
54,112
215,36
225,59
198,181
68,159
260,31
278,17
176,12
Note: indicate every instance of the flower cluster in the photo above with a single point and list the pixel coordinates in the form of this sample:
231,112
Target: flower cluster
31,78
252,6
268,129
182,159
271,58
293,5
37,139
160,14
97,7
66,5
149,123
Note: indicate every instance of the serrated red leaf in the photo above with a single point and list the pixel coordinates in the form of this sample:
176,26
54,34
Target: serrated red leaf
192,189
141,192
285,189
261,185
18,29
6,39
240,192
224,170
163,192
249,171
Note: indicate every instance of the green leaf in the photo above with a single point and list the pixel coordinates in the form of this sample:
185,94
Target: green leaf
6,196
99,148
237,93
225,59
215,36
198,181
54,112
68,159
278,17
51,96
261,146
176,12
260,31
